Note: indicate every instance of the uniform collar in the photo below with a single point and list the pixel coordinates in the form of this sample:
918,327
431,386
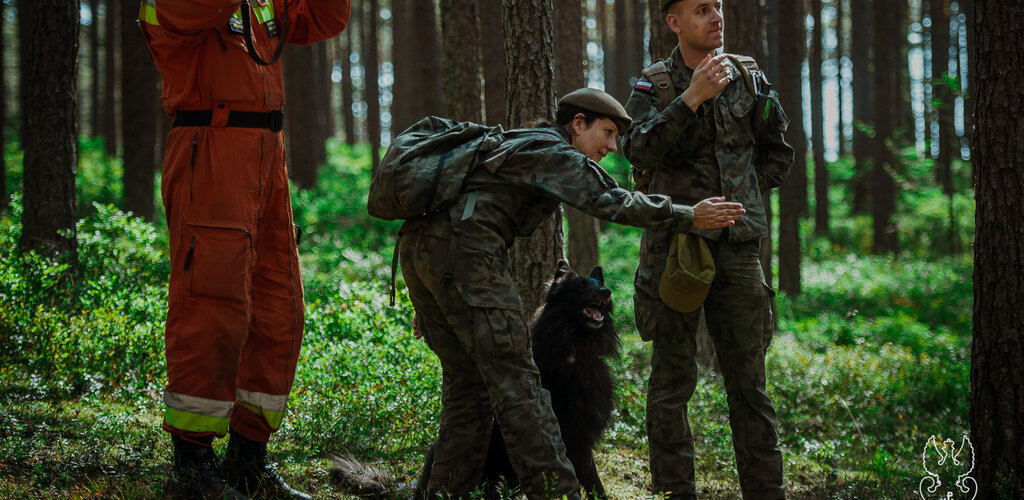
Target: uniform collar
681,75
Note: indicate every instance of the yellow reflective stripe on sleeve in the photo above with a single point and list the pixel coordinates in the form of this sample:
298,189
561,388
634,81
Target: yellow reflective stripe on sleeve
147,13
264,13
271,407
196,423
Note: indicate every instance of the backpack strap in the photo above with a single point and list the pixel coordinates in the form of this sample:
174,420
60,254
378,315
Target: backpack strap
748,69
657,73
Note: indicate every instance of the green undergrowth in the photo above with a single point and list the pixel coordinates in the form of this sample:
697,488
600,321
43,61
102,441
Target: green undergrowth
869,361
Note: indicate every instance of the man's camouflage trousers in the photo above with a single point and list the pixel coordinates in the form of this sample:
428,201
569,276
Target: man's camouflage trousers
475,326
738,315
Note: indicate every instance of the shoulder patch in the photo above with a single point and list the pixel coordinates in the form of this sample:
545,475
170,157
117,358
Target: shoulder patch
644,85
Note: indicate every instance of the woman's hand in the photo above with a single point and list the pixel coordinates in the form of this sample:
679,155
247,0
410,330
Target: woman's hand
709,78
714,213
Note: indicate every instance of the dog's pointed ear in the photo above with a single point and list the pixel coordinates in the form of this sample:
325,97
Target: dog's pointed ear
562,269
598,274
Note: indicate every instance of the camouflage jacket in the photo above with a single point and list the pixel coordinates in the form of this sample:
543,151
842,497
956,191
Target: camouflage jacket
712,152
520,184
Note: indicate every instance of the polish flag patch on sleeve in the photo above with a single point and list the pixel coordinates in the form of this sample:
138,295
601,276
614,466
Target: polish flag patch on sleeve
643,85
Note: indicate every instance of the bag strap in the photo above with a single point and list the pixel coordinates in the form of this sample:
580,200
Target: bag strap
657,73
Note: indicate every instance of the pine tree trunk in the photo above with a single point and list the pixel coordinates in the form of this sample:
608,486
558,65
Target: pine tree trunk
862,24
883,187
322,85
347,89
569,76
745,28
841,8
942,98
302,106
662,40
529,61
997,349
110,72
371,56
821,175
49,135
793,193
138,121
3,115
417,63
615,56
970,99
95,122
492,43
460,60
904,131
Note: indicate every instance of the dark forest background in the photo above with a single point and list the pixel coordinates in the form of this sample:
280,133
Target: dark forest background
896,239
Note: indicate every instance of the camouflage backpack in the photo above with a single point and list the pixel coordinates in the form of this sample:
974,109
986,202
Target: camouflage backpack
424,168
742,67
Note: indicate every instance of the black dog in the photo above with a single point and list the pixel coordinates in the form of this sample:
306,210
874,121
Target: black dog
572,334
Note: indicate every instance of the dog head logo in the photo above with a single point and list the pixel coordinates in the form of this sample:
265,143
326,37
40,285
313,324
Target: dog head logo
947,470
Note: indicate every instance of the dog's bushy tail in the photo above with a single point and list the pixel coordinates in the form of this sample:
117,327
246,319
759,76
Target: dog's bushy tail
362,480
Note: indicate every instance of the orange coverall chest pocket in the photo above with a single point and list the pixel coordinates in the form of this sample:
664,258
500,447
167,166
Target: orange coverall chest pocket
219,260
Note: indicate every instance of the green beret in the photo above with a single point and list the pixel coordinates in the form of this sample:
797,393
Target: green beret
666,3
599,102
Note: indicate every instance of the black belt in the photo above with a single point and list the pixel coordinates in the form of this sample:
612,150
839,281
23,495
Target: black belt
272,120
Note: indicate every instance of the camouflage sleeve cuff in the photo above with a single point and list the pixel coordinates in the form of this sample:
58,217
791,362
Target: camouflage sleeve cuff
681,112
682,216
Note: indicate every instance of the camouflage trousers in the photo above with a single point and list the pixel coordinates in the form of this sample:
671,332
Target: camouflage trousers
738,315
475,326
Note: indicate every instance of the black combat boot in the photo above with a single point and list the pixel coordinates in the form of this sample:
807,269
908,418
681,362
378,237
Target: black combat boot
245,467
196,475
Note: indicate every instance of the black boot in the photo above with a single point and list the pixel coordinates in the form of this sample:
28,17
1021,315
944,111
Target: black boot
196,474
245,467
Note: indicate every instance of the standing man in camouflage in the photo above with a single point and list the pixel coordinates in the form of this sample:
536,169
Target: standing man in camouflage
472,319
707,124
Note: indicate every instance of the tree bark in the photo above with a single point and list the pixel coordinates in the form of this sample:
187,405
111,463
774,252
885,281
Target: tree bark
302,130
997,350
492,43
793,193
821,174
417,63
841,8
569,76
347,89
662,40
95,122
863,96
883,187
617,65
460,60
529,61
110,76
3,115
372,66
138,121
943,101
904,131
49,135
970,97
322,85
745,28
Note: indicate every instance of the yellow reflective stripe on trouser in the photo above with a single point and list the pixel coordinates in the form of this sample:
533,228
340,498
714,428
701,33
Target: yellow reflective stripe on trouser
272,408
147,12
264,13
197,414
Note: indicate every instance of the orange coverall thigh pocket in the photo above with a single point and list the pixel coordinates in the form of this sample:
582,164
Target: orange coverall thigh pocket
219,260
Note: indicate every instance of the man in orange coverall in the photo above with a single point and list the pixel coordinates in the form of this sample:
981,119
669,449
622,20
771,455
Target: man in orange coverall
235,306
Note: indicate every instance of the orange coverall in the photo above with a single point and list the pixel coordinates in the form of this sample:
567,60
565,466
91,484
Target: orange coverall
235,306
